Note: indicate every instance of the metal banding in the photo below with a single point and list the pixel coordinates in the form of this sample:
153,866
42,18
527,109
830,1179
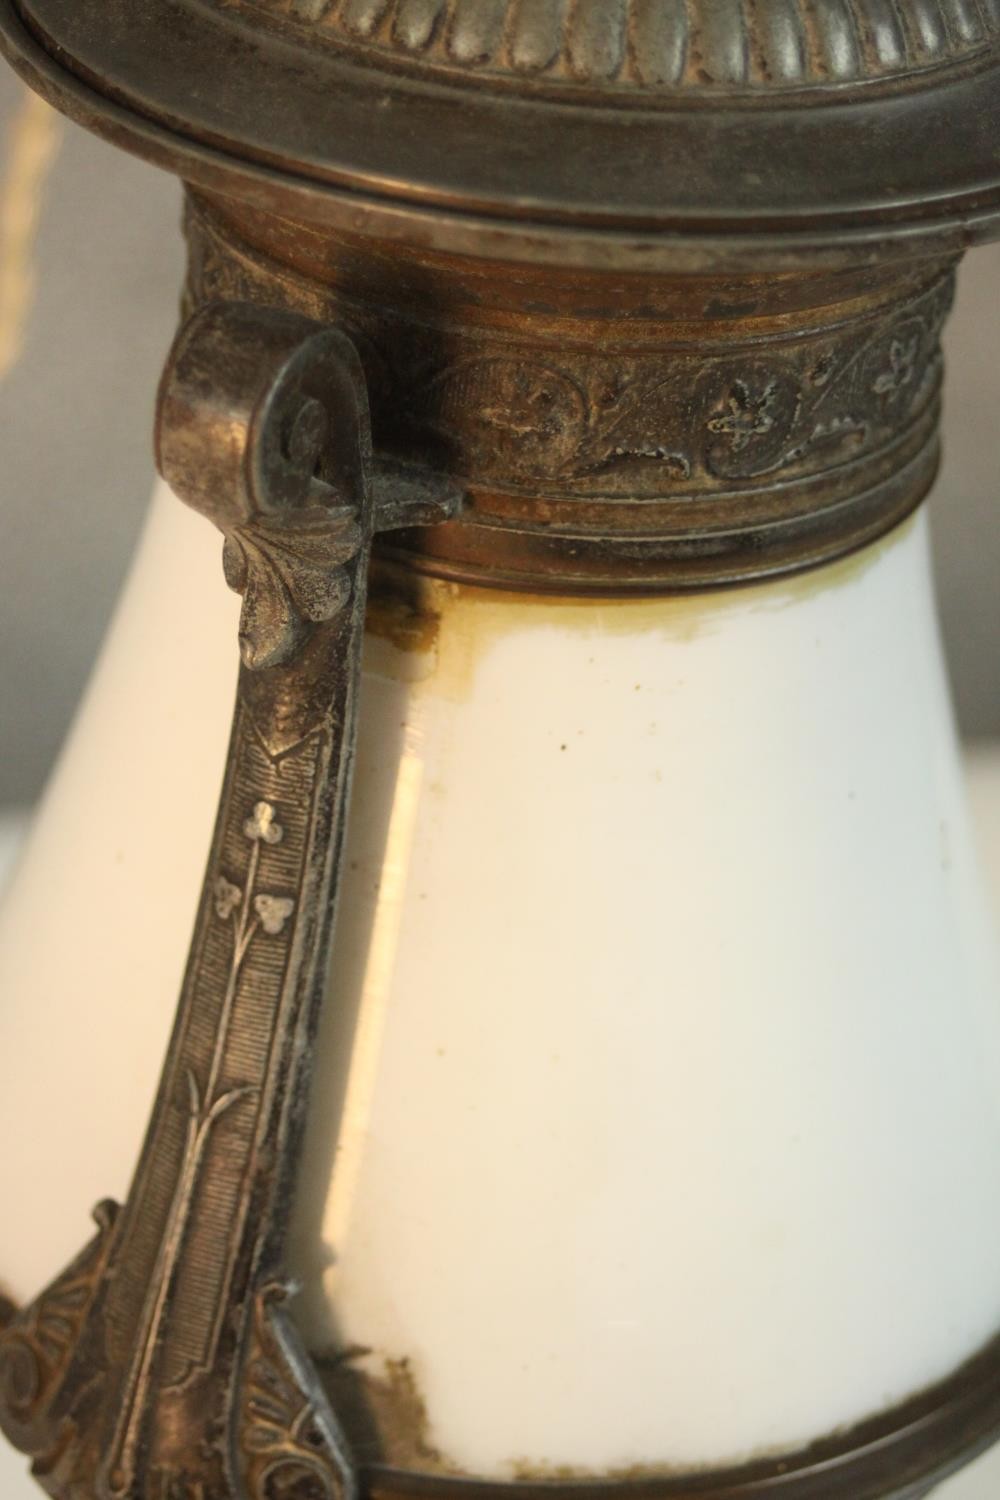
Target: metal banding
902,1454
686,435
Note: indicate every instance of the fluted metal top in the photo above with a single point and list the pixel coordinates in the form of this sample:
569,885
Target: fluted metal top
658,46
681,134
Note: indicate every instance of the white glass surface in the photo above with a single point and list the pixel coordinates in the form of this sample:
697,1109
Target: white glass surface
560,1057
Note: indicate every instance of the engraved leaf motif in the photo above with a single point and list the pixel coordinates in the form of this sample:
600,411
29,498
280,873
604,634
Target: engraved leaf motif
497,410
291,575
748,414
635,423
754,419
194,1094
226,1101
901,368
227,897
273,911
262,824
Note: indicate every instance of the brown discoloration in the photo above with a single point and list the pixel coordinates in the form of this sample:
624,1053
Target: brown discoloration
425,629
404,609
400,1414
527,1471
384,1413
882,1458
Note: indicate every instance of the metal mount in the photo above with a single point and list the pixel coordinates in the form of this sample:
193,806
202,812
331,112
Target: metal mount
161,1365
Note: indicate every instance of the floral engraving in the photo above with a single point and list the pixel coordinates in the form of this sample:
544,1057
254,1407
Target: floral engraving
901,367
227,898
641,423
508,410
753,422
249,912
748,414
273,912
579,421
261,824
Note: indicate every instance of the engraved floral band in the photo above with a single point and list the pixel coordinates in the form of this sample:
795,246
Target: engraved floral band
697,432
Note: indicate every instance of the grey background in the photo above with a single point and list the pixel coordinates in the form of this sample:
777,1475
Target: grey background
76,413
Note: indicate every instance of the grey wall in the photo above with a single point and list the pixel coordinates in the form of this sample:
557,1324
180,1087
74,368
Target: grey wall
76,411
966,502
75,414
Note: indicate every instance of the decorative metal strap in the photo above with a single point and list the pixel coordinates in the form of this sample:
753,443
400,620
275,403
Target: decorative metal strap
161,1365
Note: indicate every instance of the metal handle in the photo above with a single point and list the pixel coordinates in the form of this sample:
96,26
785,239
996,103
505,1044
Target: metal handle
161,1366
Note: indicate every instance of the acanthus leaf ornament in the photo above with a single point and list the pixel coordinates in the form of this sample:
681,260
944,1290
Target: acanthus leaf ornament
290,575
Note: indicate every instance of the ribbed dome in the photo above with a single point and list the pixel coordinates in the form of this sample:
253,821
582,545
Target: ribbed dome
648,133
659,46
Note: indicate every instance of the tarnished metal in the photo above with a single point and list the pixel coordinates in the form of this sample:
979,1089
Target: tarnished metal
161,1364
752,135
642,434
692,342
659,291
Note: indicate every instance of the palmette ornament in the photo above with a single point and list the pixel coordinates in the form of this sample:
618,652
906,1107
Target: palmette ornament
693,342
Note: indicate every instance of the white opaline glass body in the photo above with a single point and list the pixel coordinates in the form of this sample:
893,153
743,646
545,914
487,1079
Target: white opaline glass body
656,1109
672,1117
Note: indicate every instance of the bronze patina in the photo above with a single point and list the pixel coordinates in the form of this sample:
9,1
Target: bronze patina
692,342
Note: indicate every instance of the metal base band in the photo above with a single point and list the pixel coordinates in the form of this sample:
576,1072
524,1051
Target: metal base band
900,1455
